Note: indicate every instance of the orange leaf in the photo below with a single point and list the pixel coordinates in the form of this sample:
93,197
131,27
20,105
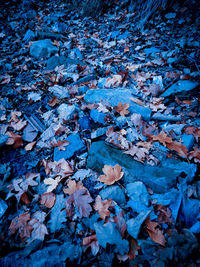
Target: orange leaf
112,174
102,207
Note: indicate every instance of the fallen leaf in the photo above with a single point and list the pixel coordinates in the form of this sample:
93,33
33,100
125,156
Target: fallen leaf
39,229
179,148
14,139
113,81
163,138
48,199
138,153
17,126
154,232
195,155
122,109
53,183
91,241
80,200
102,207
137,101
30,146
20,223
112,174
72,187
120,222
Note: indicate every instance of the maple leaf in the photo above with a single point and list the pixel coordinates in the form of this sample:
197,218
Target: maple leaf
72,187
112,174
80,199
60,168
20,223
163,138
154,232
53,183
102,108
14,139
138,153
48,199
195,154
122,109
39,229
102,207
91,241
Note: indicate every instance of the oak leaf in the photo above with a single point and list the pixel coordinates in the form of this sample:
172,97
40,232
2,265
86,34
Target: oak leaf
122,109
102,207
112,174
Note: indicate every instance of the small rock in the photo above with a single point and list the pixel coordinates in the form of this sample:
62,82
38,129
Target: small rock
181,86
59,91
163,117
76,146
134,225
114,96
121,121
188,140
3,207
29,133
43,48
62,60
170,15
99,132
115,193
177,128
85,79
151,50
66,112
85,123
98,116
29,35
137,192
3,139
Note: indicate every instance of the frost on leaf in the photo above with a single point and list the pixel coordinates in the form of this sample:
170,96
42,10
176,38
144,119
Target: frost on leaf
79,201
122,109
112,174
102,207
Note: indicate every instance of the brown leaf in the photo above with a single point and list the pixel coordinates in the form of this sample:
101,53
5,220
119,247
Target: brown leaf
120,222
154,232
179,148
48,199
122,109
80,199
195,155
112,174
54,101
192,130
91,241
24,198
102,207
14,139
163,138
72,187
17,126
138,153
20,223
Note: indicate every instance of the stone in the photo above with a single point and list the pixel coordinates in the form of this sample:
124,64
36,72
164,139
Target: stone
85,79
188,140
76,146
98,116
99,132
43,48
115,193
159,178
85,122
177,128
3,207
66,112
3,139
181,86
134,225
59,91
163,117
55,61
137,192
151,50
114,96
29,35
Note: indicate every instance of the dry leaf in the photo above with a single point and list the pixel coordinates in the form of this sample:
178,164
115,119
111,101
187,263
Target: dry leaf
53,183
195,155
137,101
102,207
72,187
20,223
112,174
48,199
91,241
163,138
14,139
179,148
113,81
122,109
17,126
154,232
30,146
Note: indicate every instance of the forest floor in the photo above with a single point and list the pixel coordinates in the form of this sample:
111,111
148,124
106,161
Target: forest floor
99,137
